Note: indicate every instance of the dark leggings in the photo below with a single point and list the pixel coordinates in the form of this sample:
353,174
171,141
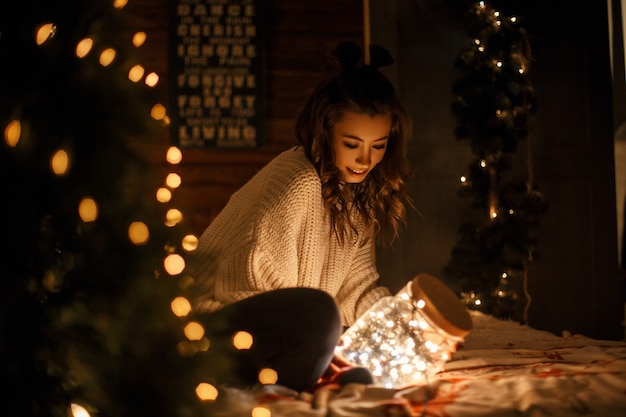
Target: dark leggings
294,330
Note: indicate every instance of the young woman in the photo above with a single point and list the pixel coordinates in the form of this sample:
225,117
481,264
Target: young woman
290,258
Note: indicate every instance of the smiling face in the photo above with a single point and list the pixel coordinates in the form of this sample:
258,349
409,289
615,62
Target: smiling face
359,142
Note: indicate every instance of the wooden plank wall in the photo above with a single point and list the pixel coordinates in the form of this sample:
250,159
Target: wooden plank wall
300,34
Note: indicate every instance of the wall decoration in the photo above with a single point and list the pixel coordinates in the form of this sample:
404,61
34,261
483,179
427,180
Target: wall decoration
217,64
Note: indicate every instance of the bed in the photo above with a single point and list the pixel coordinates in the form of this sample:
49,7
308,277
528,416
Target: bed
501,369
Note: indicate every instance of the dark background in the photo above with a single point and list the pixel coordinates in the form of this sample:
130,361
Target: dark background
575,283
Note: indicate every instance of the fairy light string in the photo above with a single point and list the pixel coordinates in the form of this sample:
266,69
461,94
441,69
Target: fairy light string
493,106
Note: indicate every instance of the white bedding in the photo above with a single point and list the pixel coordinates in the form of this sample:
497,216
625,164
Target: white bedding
502,369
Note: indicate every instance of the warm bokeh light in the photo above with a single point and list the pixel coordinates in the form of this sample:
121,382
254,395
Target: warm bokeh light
158,111
152,79
79,411
118,4
174,264
174,155
59,162
206,392
139,38
45,32
173,217
190,243
242,340
194,330
107,56
261,411
51,280
268,376
136,73
12,133
84,47
138,233
173,180
163,195
88,209
181,306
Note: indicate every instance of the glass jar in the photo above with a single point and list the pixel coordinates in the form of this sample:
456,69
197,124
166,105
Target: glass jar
407,338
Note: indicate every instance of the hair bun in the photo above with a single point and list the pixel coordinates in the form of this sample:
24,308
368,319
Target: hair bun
379,56
348,54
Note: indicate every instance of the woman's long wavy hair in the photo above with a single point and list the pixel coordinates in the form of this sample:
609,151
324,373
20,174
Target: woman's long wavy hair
378,202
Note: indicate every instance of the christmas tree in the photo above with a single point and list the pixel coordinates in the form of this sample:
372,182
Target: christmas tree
494,104
89,256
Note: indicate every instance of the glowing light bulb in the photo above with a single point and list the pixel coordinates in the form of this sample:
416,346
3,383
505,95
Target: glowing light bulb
268,376
136,73
173,180
139,38
138,233
88,209
107,56
174,155
261,411
158,111
180,306
194,331
84,47
242,340
12,133
190,243
44,33
79,411
173,217
163,195
206,392
60,162
152,79
174,264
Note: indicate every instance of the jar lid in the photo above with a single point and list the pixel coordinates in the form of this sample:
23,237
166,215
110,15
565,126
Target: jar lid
441,305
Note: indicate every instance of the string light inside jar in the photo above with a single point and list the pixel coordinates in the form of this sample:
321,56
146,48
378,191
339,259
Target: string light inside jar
407,338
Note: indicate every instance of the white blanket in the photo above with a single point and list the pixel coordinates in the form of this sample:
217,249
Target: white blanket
502,369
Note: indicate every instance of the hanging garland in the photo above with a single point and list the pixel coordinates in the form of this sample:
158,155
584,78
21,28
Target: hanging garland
494,103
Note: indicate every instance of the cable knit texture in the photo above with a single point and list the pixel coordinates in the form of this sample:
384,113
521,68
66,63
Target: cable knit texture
273,234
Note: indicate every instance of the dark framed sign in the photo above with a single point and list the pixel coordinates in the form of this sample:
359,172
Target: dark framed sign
217,65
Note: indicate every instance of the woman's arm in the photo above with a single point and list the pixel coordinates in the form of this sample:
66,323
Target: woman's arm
360,289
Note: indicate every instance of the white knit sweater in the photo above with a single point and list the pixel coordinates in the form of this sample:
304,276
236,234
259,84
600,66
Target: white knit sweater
273,233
